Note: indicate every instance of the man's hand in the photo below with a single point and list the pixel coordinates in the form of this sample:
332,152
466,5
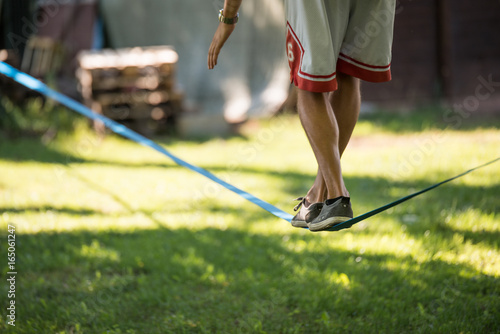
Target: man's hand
221,35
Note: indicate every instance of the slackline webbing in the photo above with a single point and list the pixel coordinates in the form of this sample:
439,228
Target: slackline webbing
36,85
369,214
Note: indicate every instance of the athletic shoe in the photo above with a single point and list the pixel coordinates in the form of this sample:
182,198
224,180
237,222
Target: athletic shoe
334,212
306,214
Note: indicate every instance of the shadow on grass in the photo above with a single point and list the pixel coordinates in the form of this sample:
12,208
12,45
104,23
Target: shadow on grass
34,150
431,118
210,280
31,149
45,208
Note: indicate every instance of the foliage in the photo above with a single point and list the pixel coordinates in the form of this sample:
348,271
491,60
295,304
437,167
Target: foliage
34,117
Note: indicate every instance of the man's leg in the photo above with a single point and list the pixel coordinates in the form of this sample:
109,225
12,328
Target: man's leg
345,103
323,133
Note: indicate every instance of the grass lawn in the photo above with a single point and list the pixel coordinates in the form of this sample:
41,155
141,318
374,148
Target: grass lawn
112,237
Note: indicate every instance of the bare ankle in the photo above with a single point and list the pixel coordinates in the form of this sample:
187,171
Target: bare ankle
311,200
336,194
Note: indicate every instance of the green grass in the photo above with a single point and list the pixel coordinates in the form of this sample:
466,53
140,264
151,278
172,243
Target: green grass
114,238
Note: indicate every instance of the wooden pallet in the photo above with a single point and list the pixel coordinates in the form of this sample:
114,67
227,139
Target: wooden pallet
131,84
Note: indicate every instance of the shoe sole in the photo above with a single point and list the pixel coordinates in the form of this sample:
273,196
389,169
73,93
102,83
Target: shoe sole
299,223
329,223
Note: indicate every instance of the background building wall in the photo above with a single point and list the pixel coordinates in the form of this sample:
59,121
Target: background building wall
442,49
252,73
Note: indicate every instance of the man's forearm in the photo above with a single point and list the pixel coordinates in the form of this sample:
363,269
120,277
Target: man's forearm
224,30
231,8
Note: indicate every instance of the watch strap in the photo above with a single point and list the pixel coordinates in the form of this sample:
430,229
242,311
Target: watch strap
226,20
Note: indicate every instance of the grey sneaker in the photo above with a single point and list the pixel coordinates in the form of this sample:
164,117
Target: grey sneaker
305,214
334,212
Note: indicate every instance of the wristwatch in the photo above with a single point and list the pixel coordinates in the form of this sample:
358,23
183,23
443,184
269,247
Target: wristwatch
226,20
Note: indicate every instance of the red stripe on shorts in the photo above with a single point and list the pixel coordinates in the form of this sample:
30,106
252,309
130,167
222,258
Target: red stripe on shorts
305,81
363,71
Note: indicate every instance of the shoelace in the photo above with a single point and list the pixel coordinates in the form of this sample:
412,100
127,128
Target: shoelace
302,200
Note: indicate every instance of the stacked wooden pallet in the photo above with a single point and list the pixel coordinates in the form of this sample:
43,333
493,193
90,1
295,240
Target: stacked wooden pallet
135,86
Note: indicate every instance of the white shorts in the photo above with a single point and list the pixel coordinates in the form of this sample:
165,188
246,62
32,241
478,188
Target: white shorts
349,36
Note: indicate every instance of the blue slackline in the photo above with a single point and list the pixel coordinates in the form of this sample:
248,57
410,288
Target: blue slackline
36,85
350,222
